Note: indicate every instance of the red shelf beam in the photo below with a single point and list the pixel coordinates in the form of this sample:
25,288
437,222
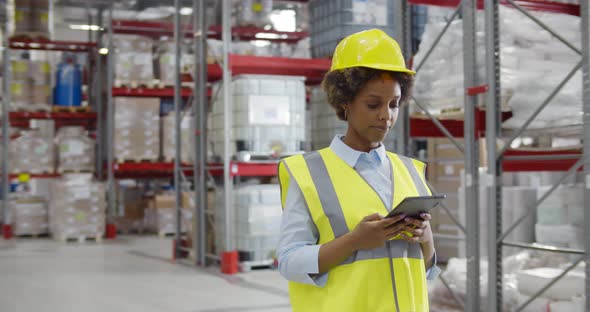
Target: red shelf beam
313,69
535,5
48,45
424,127
165,170
247,169
159,29
564,164
84,119
37,175
150,92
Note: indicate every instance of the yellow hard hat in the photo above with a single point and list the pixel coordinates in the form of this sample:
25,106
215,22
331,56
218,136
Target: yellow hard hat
370,48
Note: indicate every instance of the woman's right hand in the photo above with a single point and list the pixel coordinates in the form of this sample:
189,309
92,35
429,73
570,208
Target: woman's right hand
374,230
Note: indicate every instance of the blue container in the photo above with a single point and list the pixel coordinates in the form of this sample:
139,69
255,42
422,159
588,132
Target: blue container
68,83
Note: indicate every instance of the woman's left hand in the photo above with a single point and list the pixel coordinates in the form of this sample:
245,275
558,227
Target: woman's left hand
419,228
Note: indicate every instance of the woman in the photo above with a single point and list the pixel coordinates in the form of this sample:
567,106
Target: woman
336,248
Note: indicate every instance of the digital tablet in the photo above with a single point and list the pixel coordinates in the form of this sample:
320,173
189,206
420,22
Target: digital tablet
414,206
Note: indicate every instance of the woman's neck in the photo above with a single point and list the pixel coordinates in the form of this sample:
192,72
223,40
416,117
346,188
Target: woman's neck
356,142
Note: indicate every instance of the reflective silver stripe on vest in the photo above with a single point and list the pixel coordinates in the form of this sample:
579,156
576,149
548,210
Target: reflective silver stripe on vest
333,210
420,186
399,249
327,194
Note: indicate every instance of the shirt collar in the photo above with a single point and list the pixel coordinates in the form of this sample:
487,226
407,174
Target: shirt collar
351,156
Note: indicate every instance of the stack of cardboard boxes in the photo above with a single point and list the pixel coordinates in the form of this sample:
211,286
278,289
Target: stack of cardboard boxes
133,60
445,163
31,18
77,208
137,129
75,150
160,215
30,216
166,61
32,152
130,212
192,225
30,87
186,138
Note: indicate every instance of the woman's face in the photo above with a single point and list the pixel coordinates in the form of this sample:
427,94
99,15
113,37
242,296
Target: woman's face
374,111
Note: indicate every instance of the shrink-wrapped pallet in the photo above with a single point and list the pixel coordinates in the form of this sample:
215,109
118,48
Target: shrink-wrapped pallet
32,152
77,208
75,150
137,129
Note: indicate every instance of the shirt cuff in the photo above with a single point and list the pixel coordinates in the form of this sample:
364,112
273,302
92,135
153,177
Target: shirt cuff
433,272
302,266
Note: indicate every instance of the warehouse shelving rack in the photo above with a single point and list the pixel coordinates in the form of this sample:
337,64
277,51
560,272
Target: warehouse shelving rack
312,69
21,119
203,73
470,127
507,159
502,159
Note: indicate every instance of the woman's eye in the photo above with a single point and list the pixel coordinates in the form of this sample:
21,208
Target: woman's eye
373,106
393,106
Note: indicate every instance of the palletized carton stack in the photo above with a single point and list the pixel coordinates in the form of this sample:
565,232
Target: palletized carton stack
32,152
31,18
192,225
560,217
186,138
443,172
166,62
137,129
77,208
30,87
130,212
133,60
30,216
160,216
75,150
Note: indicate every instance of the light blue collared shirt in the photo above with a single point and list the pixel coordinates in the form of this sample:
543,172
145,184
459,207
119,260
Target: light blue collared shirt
298,250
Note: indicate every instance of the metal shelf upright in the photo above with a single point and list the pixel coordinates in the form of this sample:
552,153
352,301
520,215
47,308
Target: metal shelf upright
504,159
470,129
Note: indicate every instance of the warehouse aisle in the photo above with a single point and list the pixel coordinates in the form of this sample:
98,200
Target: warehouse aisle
131,274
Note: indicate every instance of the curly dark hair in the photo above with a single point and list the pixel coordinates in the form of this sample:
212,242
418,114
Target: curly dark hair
342,86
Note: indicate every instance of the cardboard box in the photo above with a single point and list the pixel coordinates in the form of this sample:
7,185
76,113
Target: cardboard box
137,128
444,149
165,201
30,216
32,152
80,208
75,150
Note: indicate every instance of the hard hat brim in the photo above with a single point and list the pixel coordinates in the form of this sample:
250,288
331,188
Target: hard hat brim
384,67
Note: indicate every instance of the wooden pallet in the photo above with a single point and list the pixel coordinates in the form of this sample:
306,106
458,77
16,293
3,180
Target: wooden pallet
135,160
36,172
32,235
69,170
164,234
31,35
81,239
184,84
33,109
70,109
133,84
171,160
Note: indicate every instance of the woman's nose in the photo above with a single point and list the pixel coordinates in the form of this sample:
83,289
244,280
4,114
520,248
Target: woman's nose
384,113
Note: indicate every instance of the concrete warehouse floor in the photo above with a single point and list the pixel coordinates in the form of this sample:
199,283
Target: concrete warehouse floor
130,274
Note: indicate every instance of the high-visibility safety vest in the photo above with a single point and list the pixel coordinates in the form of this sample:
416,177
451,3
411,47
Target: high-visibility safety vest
389,278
